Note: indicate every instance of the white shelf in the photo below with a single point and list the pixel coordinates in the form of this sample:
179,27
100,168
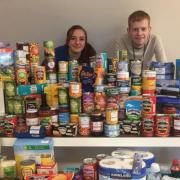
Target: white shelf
107,142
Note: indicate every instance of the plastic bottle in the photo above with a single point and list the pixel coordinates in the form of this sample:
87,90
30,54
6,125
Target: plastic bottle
175,168
154,173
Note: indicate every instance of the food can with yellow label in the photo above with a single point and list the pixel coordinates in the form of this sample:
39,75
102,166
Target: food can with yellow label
27,168
40,74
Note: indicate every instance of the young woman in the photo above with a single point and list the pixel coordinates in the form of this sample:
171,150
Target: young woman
76,47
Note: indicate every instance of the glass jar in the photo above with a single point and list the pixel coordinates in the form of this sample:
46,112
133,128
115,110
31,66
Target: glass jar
96,124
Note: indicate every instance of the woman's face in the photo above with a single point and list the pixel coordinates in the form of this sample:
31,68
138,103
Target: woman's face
77,41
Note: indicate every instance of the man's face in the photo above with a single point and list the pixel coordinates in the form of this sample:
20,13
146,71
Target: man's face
139,32
77,41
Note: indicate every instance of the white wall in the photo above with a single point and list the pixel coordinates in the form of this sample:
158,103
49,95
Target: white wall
39,20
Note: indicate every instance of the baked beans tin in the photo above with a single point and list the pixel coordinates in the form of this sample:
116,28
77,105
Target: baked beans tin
84,125
89,169
149,82
63,67
148,125
9,125
40,74
27,168
148,104
162,125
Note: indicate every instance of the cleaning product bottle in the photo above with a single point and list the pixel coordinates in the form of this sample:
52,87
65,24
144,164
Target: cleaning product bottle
175,168
154,173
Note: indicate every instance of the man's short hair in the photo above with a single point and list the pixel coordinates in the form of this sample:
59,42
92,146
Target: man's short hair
138,16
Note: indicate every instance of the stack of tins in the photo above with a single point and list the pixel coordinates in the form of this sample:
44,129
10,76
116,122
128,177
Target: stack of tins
49,61
135,67
111,126
123,81
148,103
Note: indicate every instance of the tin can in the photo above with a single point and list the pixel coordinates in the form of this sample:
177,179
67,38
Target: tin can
34,53
114,64
73,70
63,67
84,125
9,88
111,130
9,125
162,125
49,48
111,79
176,126
122,55
75,105
63,98
19,106
21,75
148,125
88,102
149,82
63,118
51,78
111,116
75,90
27,168
40,74
136,81
122,76
90,169
62,77
74,118
149,104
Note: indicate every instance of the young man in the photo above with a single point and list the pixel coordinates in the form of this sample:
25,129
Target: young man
139,42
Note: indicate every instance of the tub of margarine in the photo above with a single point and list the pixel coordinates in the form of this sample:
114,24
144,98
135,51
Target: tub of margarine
147,156
116,169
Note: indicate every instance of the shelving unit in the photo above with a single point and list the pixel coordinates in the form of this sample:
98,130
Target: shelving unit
107,142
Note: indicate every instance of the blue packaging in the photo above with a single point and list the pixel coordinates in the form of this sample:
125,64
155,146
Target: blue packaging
163,70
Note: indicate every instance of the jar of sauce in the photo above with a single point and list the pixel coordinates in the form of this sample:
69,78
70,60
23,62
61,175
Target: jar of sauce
32,118
96,124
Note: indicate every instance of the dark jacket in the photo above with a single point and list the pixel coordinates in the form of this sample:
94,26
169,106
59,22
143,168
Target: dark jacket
62,54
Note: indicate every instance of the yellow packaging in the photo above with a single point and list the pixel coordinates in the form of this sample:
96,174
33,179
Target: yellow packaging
40,74
50,169
52,94
74,118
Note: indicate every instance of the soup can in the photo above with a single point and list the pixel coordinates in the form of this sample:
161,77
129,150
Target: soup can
162,125
63,67
84,125
40,74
